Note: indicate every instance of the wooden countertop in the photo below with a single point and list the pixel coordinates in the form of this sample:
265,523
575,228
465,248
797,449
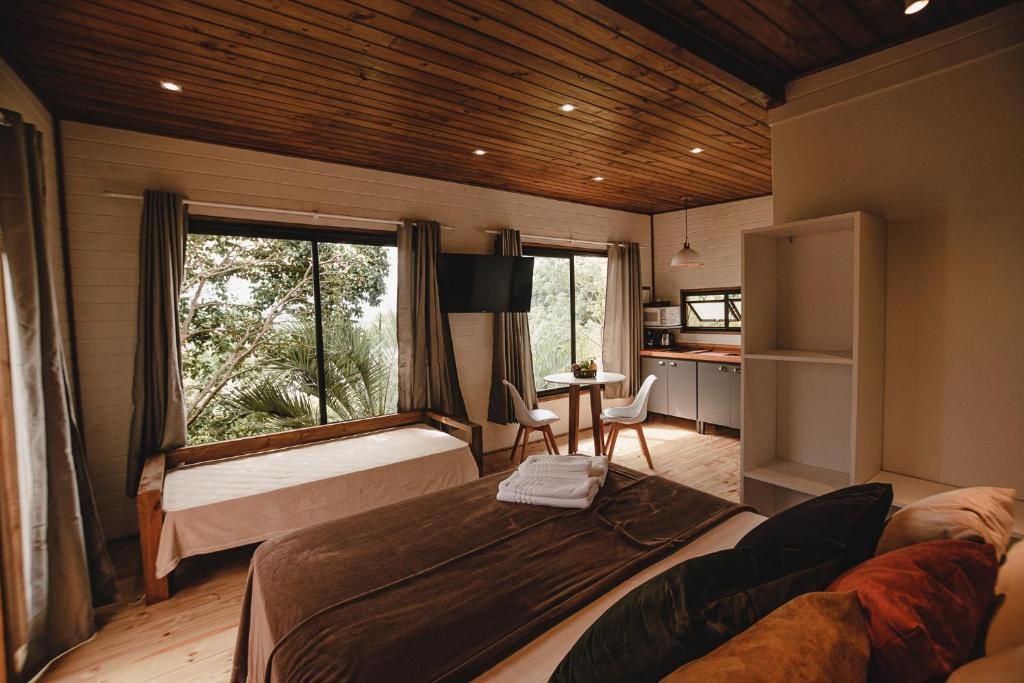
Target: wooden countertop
714,355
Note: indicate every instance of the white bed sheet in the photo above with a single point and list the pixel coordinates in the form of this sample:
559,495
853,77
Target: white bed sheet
538,659
230,503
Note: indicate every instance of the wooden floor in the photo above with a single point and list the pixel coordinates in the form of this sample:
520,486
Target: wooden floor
191,637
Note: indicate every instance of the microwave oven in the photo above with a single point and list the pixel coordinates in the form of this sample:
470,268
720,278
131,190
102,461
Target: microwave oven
661,316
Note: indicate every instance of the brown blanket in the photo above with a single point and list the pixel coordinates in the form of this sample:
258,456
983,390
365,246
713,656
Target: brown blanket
444,586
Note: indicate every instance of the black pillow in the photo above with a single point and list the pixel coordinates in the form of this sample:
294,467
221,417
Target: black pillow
689,610
846,523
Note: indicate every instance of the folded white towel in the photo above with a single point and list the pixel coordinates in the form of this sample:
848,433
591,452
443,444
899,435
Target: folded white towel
508,496
550,487
565,466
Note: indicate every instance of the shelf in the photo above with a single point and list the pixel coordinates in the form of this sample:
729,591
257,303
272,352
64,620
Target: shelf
907,490
803,356
796,476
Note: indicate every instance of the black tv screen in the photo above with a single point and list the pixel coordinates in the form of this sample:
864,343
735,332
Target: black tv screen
474,283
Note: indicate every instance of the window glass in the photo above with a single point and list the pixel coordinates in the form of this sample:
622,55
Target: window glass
718,310
358,292
589,293
249,334
550,319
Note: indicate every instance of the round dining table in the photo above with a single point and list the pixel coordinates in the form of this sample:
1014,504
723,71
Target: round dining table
593,386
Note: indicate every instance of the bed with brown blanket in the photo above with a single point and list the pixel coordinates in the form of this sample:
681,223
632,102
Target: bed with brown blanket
448,585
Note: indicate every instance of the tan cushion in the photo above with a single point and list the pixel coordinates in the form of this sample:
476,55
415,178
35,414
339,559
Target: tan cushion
1004,667
815,637
981,513
1007,627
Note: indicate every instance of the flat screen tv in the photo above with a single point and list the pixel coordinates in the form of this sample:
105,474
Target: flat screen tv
475,283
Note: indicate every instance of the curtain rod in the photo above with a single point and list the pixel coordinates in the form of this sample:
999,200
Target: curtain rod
563,239
263,209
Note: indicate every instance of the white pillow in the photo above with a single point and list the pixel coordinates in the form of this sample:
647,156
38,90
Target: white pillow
981,513
1004,667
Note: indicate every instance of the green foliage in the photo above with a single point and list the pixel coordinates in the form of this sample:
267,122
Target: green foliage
551,315
249,343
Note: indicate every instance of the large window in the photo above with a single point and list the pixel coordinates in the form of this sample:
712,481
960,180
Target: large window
284,328
712,310
566,312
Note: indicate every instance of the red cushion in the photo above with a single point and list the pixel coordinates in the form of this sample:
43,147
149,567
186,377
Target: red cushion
923,605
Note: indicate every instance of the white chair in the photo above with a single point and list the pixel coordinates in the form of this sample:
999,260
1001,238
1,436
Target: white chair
537,419
631,416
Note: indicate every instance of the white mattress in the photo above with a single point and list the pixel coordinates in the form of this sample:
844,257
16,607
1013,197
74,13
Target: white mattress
537,660
229,503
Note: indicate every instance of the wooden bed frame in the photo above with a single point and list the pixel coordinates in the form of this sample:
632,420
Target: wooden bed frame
149,501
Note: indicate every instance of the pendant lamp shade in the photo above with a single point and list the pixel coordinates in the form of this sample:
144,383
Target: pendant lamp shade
687,257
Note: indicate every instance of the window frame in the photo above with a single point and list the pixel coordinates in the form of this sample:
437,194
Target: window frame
314,235
726,316
568,254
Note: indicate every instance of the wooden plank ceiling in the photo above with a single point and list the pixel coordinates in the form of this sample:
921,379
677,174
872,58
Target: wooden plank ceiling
415,86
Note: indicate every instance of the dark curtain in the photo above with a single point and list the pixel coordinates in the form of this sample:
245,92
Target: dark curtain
427,376
158,418
623,319
55,562
512,357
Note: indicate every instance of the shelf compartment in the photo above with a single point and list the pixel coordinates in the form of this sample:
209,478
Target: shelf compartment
797,476
803,356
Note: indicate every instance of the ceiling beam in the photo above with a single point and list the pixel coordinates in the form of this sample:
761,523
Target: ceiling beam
674,30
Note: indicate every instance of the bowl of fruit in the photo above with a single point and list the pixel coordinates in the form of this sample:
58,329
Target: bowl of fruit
585,369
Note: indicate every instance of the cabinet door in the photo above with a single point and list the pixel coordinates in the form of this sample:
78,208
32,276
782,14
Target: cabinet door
658,403
714,388
682,388
736,396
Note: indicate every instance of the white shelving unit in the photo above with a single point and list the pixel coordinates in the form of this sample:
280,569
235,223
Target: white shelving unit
813,346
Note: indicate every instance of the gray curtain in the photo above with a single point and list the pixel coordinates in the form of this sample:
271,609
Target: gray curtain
158,418
623,319
55,563
512,357
427,376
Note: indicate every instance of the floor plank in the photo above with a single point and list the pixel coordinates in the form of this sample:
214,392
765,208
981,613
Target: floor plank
191,637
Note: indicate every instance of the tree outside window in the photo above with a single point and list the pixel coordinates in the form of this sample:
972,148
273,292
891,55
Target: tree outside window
252,356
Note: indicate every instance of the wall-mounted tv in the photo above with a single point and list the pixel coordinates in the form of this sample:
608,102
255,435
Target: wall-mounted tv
475,283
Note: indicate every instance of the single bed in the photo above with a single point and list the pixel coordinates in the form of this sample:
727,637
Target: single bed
245,491
455,585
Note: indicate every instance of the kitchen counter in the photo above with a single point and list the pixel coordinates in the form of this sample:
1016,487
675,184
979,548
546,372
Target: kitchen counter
711,355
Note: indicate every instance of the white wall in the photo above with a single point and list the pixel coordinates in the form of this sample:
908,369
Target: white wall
16,96
929,136
104,254
715,233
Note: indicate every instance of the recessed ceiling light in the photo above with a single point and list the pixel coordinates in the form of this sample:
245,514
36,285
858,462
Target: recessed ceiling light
170,85
696,150
914,6
479,152
597,178
567,107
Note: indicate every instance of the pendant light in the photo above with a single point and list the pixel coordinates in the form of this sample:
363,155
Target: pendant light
687,257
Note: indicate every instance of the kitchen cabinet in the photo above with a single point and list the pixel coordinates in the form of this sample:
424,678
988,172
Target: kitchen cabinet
736,396
675,392
682,389
714,395
658,401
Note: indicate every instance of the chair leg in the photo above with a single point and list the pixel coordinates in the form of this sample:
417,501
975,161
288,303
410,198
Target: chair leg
515,444
526,441
643,444
551,437
612,438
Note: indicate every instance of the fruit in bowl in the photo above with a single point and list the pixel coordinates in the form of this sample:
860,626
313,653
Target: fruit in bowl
585,369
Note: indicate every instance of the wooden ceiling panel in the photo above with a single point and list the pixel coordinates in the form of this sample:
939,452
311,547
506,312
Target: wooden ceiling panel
414,86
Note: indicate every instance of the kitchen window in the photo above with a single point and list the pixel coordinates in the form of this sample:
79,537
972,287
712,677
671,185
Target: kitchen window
566,311
711,310
283,327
